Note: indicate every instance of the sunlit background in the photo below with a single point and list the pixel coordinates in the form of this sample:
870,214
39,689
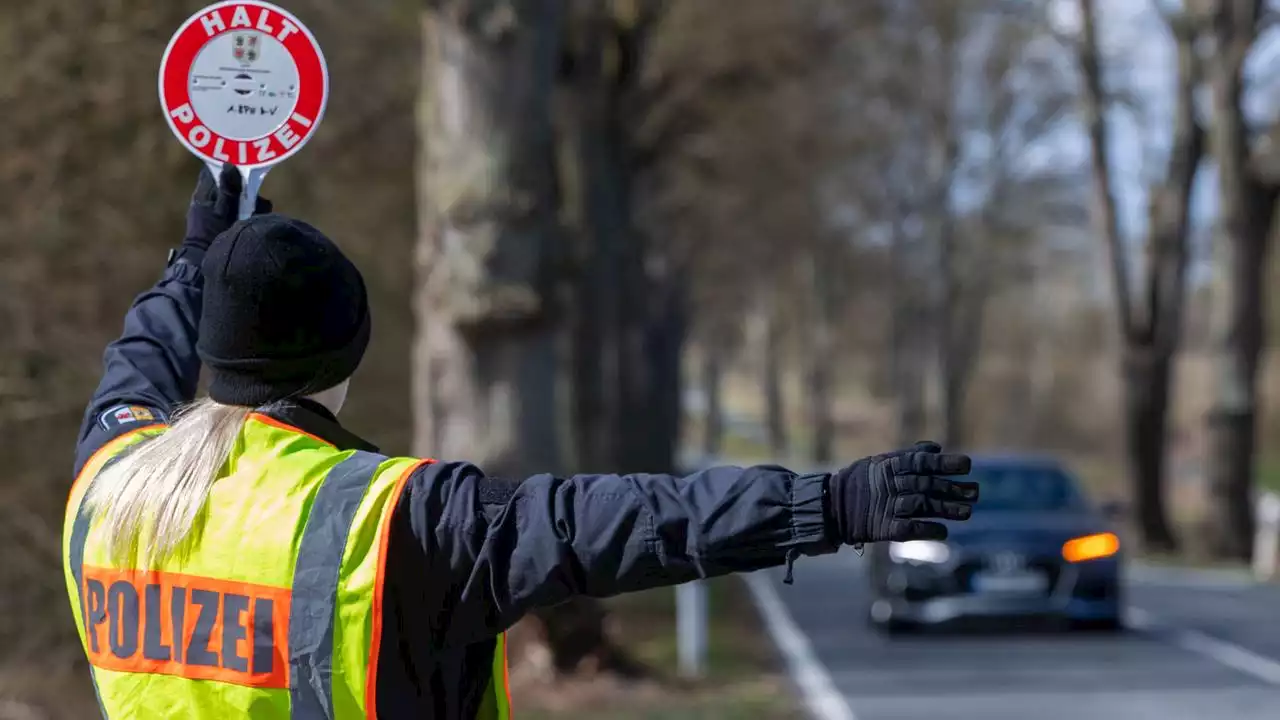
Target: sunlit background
754,231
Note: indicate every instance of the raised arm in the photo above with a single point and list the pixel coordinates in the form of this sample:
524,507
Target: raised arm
152,367
510,547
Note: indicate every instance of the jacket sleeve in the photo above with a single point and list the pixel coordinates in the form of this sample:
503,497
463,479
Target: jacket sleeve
510,547
152,367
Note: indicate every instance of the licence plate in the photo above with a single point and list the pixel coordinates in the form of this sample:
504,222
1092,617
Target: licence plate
1024,583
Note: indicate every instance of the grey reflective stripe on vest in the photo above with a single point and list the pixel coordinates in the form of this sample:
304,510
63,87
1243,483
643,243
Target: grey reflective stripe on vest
315,585
75,554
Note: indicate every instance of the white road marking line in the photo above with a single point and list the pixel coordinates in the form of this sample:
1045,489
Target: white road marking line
1221,651
809,674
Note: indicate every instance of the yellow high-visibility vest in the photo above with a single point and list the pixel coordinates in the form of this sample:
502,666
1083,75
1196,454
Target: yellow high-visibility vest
271,609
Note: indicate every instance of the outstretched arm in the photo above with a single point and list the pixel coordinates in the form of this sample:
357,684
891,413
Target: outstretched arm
509,547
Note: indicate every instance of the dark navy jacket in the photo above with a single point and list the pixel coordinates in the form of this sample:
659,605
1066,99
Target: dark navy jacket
469,554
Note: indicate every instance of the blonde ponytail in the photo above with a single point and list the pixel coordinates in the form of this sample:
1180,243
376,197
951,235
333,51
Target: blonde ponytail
157,490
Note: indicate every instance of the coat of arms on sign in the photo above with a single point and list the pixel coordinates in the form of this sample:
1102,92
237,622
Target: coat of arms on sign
246,48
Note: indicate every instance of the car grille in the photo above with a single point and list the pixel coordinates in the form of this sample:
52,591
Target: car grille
967,568
1051,568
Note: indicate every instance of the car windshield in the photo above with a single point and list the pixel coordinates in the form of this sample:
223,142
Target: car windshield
1025,488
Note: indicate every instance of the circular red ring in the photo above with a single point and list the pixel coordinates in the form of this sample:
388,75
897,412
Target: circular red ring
268,149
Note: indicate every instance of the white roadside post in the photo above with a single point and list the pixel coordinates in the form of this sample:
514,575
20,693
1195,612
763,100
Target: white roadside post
1266,537
691,628
691,597
243,82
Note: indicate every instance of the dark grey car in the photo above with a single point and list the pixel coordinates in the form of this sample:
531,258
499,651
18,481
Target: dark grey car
1034,548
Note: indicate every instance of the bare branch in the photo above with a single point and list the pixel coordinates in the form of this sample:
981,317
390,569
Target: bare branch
1104,195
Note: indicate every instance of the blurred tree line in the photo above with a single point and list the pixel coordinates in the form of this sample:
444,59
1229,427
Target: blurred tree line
575,214
1213,40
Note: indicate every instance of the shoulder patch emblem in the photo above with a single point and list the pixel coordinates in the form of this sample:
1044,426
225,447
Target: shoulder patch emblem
126,414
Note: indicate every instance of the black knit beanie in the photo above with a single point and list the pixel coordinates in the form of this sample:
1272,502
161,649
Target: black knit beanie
285,313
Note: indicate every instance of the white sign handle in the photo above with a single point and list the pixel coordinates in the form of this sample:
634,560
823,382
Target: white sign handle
250,184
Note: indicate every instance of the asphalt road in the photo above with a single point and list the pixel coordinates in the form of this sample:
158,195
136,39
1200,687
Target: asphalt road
1201,647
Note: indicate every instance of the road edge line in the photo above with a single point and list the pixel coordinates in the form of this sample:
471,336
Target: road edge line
808,673
1223,652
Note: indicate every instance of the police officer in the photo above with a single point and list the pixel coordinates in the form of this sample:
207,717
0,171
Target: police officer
244,554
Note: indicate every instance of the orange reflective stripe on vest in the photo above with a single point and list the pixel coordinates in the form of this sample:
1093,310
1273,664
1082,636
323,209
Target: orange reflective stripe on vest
193,627
207,629
275,613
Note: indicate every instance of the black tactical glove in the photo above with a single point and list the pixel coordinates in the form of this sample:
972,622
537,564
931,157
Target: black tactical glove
215,206
884,497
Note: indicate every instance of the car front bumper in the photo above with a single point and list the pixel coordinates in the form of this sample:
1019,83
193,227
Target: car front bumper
923,594
949,609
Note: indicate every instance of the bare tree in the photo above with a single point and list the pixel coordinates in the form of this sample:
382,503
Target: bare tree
1150,323
712,387
964,98
822,277
754,204
1247,196
769,338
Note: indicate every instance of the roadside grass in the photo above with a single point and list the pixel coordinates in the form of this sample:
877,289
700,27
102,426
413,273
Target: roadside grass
742,449
1268,473
743,682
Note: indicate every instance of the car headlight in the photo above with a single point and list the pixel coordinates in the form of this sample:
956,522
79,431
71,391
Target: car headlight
1090,547
920,551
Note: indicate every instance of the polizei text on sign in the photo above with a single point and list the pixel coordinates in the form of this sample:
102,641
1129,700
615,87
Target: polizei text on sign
243,82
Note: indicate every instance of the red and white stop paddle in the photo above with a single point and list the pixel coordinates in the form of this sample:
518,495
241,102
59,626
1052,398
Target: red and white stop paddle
243,82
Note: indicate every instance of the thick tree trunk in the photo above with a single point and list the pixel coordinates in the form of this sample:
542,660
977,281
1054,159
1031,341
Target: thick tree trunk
952,434
485,362
485,358
1246,208
961,316
1231,448
960,335
590,420
910,373
636,380
627,331
818,388
1147,382
605,362
775,409
907,350
588,316
1150,325
665,335
636,318
821,357
1232,420
1156,332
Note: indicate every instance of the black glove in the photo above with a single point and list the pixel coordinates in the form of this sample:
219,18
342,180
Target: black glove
883,497
215,206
